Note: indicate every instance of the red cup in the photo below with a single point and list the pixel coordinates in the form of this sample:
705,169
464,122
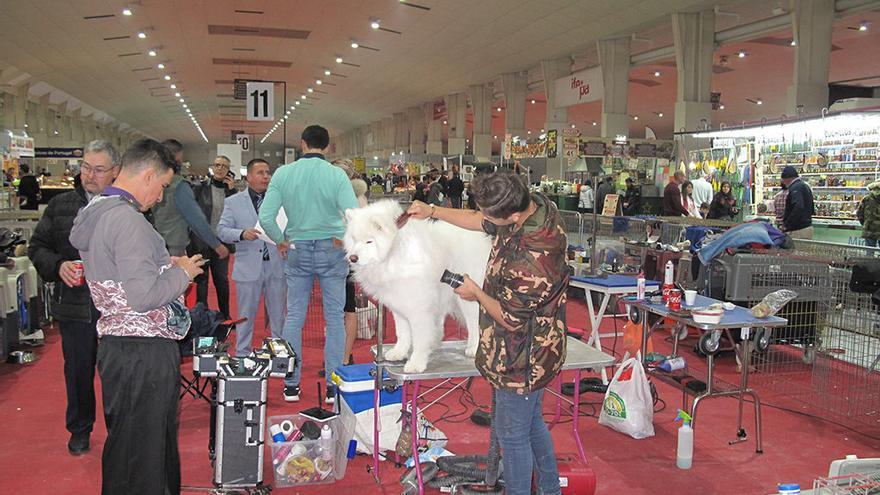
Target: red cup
79,272
674,302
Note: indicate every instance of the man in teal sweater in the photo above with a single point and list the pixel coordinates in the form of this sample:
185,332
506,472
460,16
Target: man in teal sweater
314,195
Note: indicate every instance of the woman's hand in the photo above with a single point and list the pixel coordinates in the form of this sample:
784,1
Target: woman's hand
468,290
420,210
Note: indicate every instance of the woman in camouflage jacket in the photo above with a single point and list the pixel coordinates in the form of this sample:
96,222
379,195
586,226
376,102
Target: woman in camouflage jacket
522,317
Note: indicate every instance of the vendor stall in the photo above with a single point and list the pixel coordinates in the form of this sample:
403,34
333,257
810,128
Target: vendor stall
838,156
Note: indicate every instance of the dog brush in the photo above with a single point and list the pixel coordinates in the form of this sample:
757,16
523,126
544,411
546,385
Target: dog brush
402,219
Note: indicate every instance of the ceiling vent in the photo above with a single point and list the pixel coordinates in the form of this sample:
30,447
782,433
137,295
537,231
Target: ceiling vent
252,63
294,34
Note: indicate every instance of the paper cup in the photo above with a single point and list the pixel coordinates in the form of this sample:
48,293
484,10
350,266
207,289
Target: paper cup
690,297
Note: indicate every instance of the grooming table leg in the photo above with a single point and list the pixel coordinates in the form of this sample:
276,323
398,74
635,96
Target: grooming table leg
576,415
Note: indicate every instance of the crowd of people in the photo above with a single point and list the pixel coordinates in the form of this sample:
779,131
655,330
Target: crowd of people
144,235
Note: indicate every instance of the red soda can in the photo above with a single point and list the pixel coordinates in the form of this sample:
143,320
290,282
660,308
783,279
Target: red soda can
675,299
665,291
78,272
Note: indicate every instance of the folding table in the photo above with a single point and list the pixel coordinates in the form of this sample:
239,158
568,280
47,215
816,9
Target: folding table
739,317
607,285
449,362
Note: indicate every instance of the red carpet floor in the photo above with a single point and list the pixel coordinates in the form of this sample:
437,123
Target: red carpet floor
34,457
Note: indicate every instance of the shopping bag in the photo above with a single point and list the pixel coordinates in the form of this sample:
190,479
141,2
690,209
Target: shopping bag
628,407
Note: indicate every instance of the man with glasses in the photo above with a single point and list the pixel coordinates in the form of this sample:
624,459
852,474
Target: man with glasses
211,196
71,304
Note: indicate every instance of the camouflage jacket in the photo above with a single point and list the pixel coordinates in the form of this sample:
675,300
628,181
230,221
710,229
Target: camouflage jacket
868,212
528,274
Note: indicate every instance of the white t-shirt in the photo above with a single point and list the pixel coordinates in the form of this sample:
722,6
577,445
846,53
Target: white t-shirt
703,192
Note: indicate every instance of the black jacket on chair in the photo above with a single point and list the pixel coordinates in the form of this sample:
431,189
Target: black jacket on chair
49,247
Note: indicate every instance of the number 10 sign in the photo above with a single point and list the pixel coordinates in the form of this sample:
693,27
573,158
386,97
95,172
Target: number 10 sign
260,101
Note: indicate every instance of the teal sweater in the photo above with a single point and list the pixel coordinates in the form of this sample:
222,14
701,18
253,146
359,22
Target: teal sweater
314,195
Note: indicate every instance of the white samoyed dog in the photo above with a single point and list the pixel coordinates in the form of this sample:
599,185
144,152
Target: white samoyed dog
401,268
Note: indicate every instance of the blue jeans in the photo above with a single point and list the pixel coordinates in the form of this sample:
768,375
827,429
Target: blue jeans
525,443
305,261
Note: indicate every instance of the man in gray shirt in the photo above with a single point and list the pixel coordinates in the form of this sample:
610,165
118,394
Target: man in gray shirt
136,285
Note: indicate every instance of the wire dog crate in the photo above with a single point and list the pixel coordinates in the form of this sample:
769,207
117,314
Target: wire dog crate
828,356
850,484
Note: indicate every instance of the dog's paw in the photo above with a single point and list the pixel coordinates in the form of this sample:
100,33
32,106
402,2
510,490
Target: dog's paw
395,355
470,350
415,365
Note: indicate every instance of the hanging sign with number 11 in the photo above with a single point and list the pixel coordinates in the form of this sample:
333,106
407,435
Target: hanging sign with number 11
260,101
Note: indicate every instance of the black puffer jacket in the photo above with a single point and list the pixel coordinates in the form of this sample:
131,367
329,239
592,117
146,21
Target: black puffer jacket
50,246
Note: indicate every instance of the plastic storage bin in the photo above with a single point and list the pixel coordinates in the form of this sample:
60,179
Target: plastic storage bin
355,383
306,462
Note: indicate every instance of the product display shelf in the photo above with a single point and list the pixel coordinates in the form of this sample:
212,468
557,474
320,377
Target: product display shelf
848,165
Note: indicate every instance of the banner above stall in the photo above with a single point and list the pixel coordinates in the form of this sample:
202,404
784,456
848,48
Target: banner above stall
580,87
58,153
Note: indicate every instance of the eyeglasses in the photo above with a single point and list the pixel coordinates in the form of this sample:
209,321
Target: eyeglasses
221,165
98,172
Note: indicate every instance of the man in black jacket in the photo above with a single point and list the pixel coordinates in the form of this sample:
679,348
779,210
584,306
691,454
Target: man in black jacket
211,196
797,221
28,189
71,304
454,188
632,198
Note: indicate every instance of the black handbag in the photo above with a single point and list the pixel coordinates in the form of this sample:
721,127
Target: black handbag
865,278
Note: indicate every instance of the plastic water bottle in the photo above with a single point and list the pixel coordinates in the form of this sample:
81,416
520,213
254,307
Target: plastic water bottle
669,273
640,286
685,449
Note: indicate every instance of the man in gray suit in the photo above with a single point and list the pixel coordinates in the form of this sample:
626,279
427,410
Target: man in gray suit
258,269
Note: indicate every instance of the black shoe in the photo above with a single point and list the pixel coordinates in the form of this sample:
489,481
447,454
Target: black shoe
350,359
78,443
291,394
331,395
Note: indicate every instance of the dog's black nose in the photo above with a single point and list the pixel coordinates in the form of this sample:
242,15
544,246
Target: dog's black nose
353,258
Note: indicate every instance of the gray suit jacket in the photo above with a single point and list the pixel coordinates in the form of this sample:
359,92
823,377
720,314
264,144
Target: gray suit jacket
239,214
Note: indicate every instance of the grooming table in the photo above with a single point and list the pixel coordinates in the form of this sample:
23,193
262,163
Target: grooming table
739,317
610,285
449,362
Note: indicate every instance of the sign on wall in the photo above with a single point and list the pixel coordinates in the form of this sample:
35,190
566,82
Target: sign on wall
580,87
260,101
58,153
244,141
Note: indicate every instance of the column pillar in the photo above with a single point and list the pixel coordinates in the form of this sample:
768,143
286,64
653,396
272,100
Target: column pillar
694,38
481,103
401,132
557,118
514,85
76,126
388,136
415,116
434,145
614,59
375,134
19,107
8,113
456,115
812,24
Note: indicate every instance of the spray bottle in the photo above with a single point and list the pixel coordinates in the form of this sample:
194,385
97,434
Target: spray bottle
668,276
685,449
640,286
